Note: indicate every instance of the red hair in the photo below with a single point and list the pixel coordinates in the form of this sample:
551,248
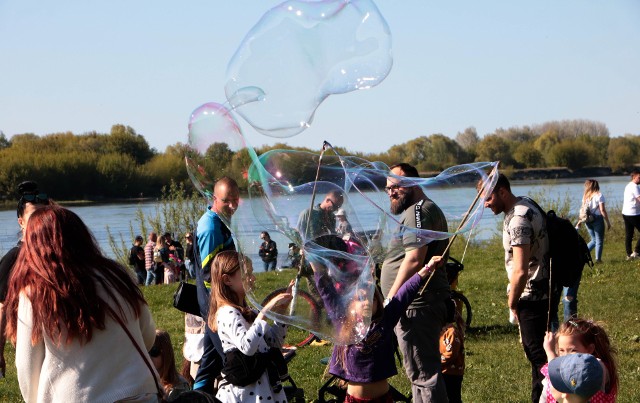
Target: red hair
60,268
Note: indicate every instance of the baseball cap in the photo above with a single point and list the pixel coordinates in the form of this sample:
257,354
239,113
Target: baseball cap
340,212
139,238
579,374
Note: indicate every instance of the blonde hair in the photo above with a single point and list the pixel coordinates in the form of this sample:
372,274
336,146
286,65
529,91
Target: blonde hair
226,263
593,333
591,187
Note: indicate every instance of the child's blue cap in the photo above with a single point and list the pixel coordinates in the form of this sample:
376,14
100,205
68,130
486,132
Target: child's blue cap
579,374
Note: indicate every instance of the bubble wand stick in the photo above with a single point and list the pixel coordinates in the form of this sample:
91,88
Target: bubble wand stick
462,222
294,290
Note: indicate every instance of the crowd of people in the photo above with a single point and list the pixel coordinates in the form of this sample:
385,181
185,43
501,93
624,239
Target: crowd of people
61,310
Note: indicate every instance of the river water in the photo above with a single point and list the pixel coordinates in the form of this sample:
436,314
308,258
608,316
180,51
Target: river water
119,217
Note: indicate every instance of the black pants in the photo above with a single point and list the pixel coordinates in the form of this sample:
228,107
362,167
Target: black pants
532,316
631,222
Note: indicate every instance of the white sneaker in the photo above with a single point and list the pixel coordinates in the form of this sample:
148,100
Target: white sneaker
633,256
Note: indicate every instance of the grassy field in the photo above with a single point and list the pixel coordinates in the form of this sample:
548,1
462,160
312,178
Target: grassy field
497,369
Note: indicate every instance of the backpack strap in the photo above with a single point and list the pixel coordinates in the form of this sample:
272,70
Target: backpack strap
418,213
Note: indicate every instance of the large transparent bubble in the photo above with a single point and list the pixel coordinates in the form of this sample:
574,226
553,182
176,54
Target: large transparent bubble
294,196
300,52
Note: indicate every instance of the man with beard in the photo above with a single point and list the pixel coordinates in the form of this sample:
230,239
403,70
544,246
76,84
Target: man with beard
419,328
212,237
526,247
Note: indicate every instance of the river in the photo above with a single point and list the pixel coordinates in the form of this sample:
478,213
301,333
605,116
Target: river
118,217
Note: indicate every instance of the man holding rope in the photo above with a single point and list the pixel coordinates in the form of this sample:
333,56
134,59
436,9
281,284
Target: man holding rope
419,328
526,246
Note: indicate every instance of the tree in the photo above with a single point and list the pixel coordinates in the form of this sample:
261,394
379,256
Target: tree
527,156
494,148
468,139
572,154
125,140
622,153
4,143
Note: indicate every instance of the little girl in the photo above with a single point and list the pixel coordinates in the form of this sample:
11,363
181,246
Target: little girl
587,337
367,365
243,332
164,360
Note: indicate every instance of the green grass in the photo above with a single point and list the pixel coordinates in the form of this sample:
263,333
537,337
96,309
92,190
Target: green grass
497,369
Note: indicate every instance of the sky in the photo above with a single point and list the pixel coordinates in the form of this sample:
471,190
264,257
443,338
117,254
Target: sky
84,66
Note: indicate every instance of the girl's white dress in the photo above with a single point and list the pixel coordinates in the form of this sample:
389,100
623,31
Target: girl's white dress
250,338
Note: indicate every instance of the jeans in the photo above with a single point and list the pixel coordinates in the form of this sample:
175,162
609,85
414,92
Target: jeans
631,223
532,316
596,232
271,264
418,335
141,276
191,268
570,300
151,276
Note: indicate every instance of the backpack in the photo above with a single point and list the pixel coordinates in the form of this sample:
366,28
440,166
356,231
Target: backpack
567,249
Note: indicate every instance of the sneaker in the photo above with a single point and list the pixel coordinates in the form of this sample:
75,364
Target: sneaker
633,256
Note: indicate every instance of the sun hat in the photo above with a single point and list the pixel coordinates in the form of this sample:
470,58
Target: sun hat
579,374
340,212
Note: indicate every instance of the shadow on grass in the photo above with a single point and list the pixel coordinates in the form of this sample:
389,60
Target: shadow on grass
492,330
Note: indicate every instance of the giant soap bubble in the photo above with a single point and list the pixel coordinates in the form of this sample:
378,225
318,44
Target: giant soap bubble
301,52
298,54
285,185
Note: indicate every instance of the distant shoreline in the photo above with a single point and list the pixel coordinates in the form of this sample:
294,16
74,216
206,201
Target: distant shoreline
513,174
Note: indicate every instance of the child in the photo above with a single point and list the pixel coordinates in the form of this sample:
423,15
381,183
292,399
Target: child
164,360
367,364
587,337
576,378
246,337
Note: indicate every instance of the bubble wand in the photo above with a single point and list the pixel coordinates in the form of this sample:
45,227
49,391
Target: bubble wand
294,289
462,222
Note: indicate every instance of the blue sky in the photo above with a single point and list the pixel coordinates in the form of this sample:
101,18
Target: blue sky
85,65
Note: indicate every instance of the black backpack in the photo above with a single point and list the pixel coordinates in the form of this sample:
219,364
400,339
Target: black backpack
567,249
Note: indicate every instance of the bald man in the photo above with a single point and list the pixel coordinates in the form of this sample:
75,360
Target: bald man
212,237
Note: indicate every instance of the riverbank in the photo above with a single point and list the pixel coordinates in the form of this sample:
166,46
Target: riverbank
11,204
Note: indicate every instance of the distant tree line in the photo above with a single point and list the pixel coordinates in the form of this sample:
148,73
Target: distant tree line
121,164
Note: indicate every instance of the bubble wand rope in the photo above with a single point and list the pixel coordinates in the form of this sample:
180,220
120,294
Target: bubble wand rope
462,222
294,290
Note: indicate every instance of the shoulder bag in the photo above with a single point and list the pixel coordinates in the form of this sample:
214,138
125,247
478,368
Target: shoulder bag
185,298
142,355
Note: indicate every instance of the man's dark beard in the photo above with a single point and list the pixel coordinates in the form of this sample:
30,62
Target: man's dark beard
402,203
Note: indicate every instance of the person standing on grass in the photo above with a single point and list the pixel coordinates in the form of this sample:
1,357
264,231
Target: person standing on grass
212,237
631,214
268,252
136,260
149,263
526,247
418,330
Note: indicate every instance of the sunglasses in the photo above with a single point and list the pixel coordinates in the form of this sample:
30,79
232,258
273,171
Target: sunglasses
154,352
31,198
391,188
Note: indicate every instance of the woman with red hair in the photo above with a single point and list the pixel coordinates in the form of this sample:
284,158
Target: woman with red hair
74,316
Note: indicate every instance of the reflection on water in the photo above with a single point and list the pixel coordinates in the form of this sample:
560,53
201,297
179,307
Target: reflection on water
120,217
